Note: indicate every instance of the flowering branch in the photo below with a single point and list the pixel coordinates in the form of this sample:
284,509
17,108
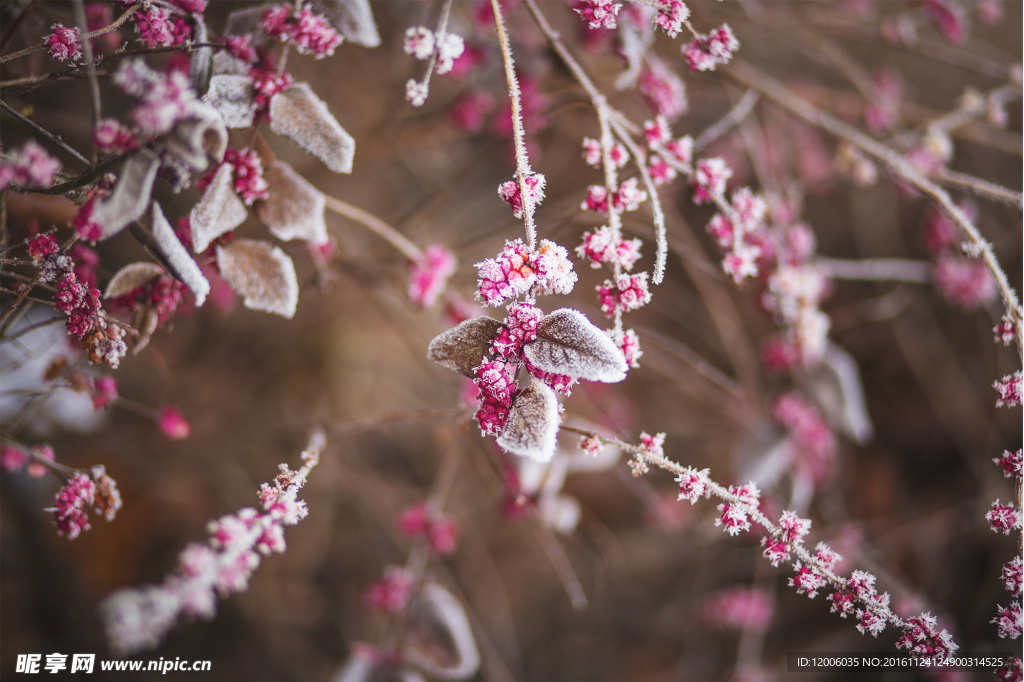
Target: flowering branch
129,13
44,132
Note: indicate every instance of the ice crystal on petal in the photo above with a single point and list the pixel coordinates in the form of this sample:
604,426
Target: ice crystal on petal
1003,517
64,43
1010,462
599,13
1009,389
508,275
449,48
671,16
554,269
419,42
806,581
1013,576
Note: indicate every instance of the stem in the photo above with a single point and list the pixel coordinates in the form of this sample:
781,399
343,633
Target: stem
982,188
42,131
18,301
732,118
375,225
518,134
90,66
894,269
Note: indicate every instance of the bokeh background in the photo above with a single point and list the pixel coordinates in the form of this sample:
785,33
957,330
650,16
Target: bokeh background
908,506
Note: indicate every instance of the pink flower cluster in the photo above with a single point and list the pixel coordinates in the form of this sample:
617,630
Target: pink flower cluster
520,328
79,494
430,274
627,292
794,529
103,391
80,303
310,33
663,90
861,587
707,52
110,136
391,593
629,344
266,83
517,269
923,640
692,484
173,423
733,518
597,247
809,430
1009,389
497,387
157,27
1005,331
42,246
1010,462
808,580
12,459
249,182
1009,621
440,531
511,195
593,154
671,17
29,166
741,608
137,619
599,13
968,283
948,17
64,43
1003,518
166,98
627,197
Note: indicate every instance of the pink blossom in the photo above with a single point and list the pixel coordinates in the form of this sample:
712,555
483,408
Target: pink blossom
414,521
597,199
597,247
1009,389
692,484
629,344
73,502
469,110
661,173
1010,463
155,27
591,446
698,55
709,179
510,193
629,196
733,518
775,551
103,391
496,381
83,224
391,594
562,383
1003,517
520,328
313,35
779,355
671,17
599,13
628,292
64,43
809,429
827,556
266,83
842,602
173,423
165,296
492,415
42,246
663,90
681,150
741,608
1008,619
166,98
508,275
11,458
592,152
110,136
794,528
1011,671
28,166
921,638
948,17
968,283
443,535
275,22
806,581
240,47
44,452
430,274
870,622
1012,575
249,182
1005,331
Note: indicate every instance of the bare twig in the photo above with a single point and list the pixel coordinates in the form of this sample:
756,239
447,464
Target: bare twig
892,269
732,118
44,132
376,225
983,188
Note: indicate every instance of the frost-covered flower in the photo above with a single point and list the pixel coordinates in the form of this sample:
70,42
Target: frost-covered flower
166,98
681,150
103,391
709,179
419,42
510,193
71,508
1003,517
664,91
661,173
628,292
592,152
1008,619
28,166
1005,331
155,27
627,342
11,458
1012,575
313,35
806,581
629,196
1009,389
64,43
430,274
599,13
508,275
692,484
555,274
391,594
450,47
416,92
827,556
1010,462
110,136
671,16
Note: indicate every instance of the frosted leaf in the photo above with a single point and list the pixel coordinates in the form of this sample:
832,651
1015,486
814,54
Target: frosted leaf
293,209
224,63
299,114
567,343
219,211
351,18
169,249
463,348
262,274
532,426
234,98
438,638
836,386
200,138
560,513
131,277
202,57
128,202
247,22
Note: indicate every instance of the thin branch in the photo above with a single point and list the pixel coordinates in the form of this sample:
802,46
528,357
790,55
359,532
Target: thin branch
130,12
891,269
732,118
523,169
375,225
749,76
90,66
42,131
983,188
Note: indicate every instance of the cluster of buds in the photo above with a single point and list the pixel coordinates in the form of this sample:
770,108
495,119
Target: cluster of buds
422,43
310,33
966,282
64,43
95,490
14,459
28,166
519,269
429,274
247,171
599,13
707,52
440,531
734,517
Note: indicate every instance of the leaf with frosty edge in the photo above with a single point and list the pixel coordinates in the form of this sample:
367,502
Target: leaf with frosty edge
199,139
219,211
835,384
293,209
232,96
352,19
128,202
131,277
299,114
463,348
532,426
438,638
202,57
567,343
263,275
168,248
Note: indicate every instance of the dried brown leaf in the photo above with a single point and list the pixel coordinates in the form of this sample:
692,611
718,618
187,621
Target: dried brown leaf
131,277
218,212
567,343
293,209
128,202
462,348
263,275
299,114
532,426
199,139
